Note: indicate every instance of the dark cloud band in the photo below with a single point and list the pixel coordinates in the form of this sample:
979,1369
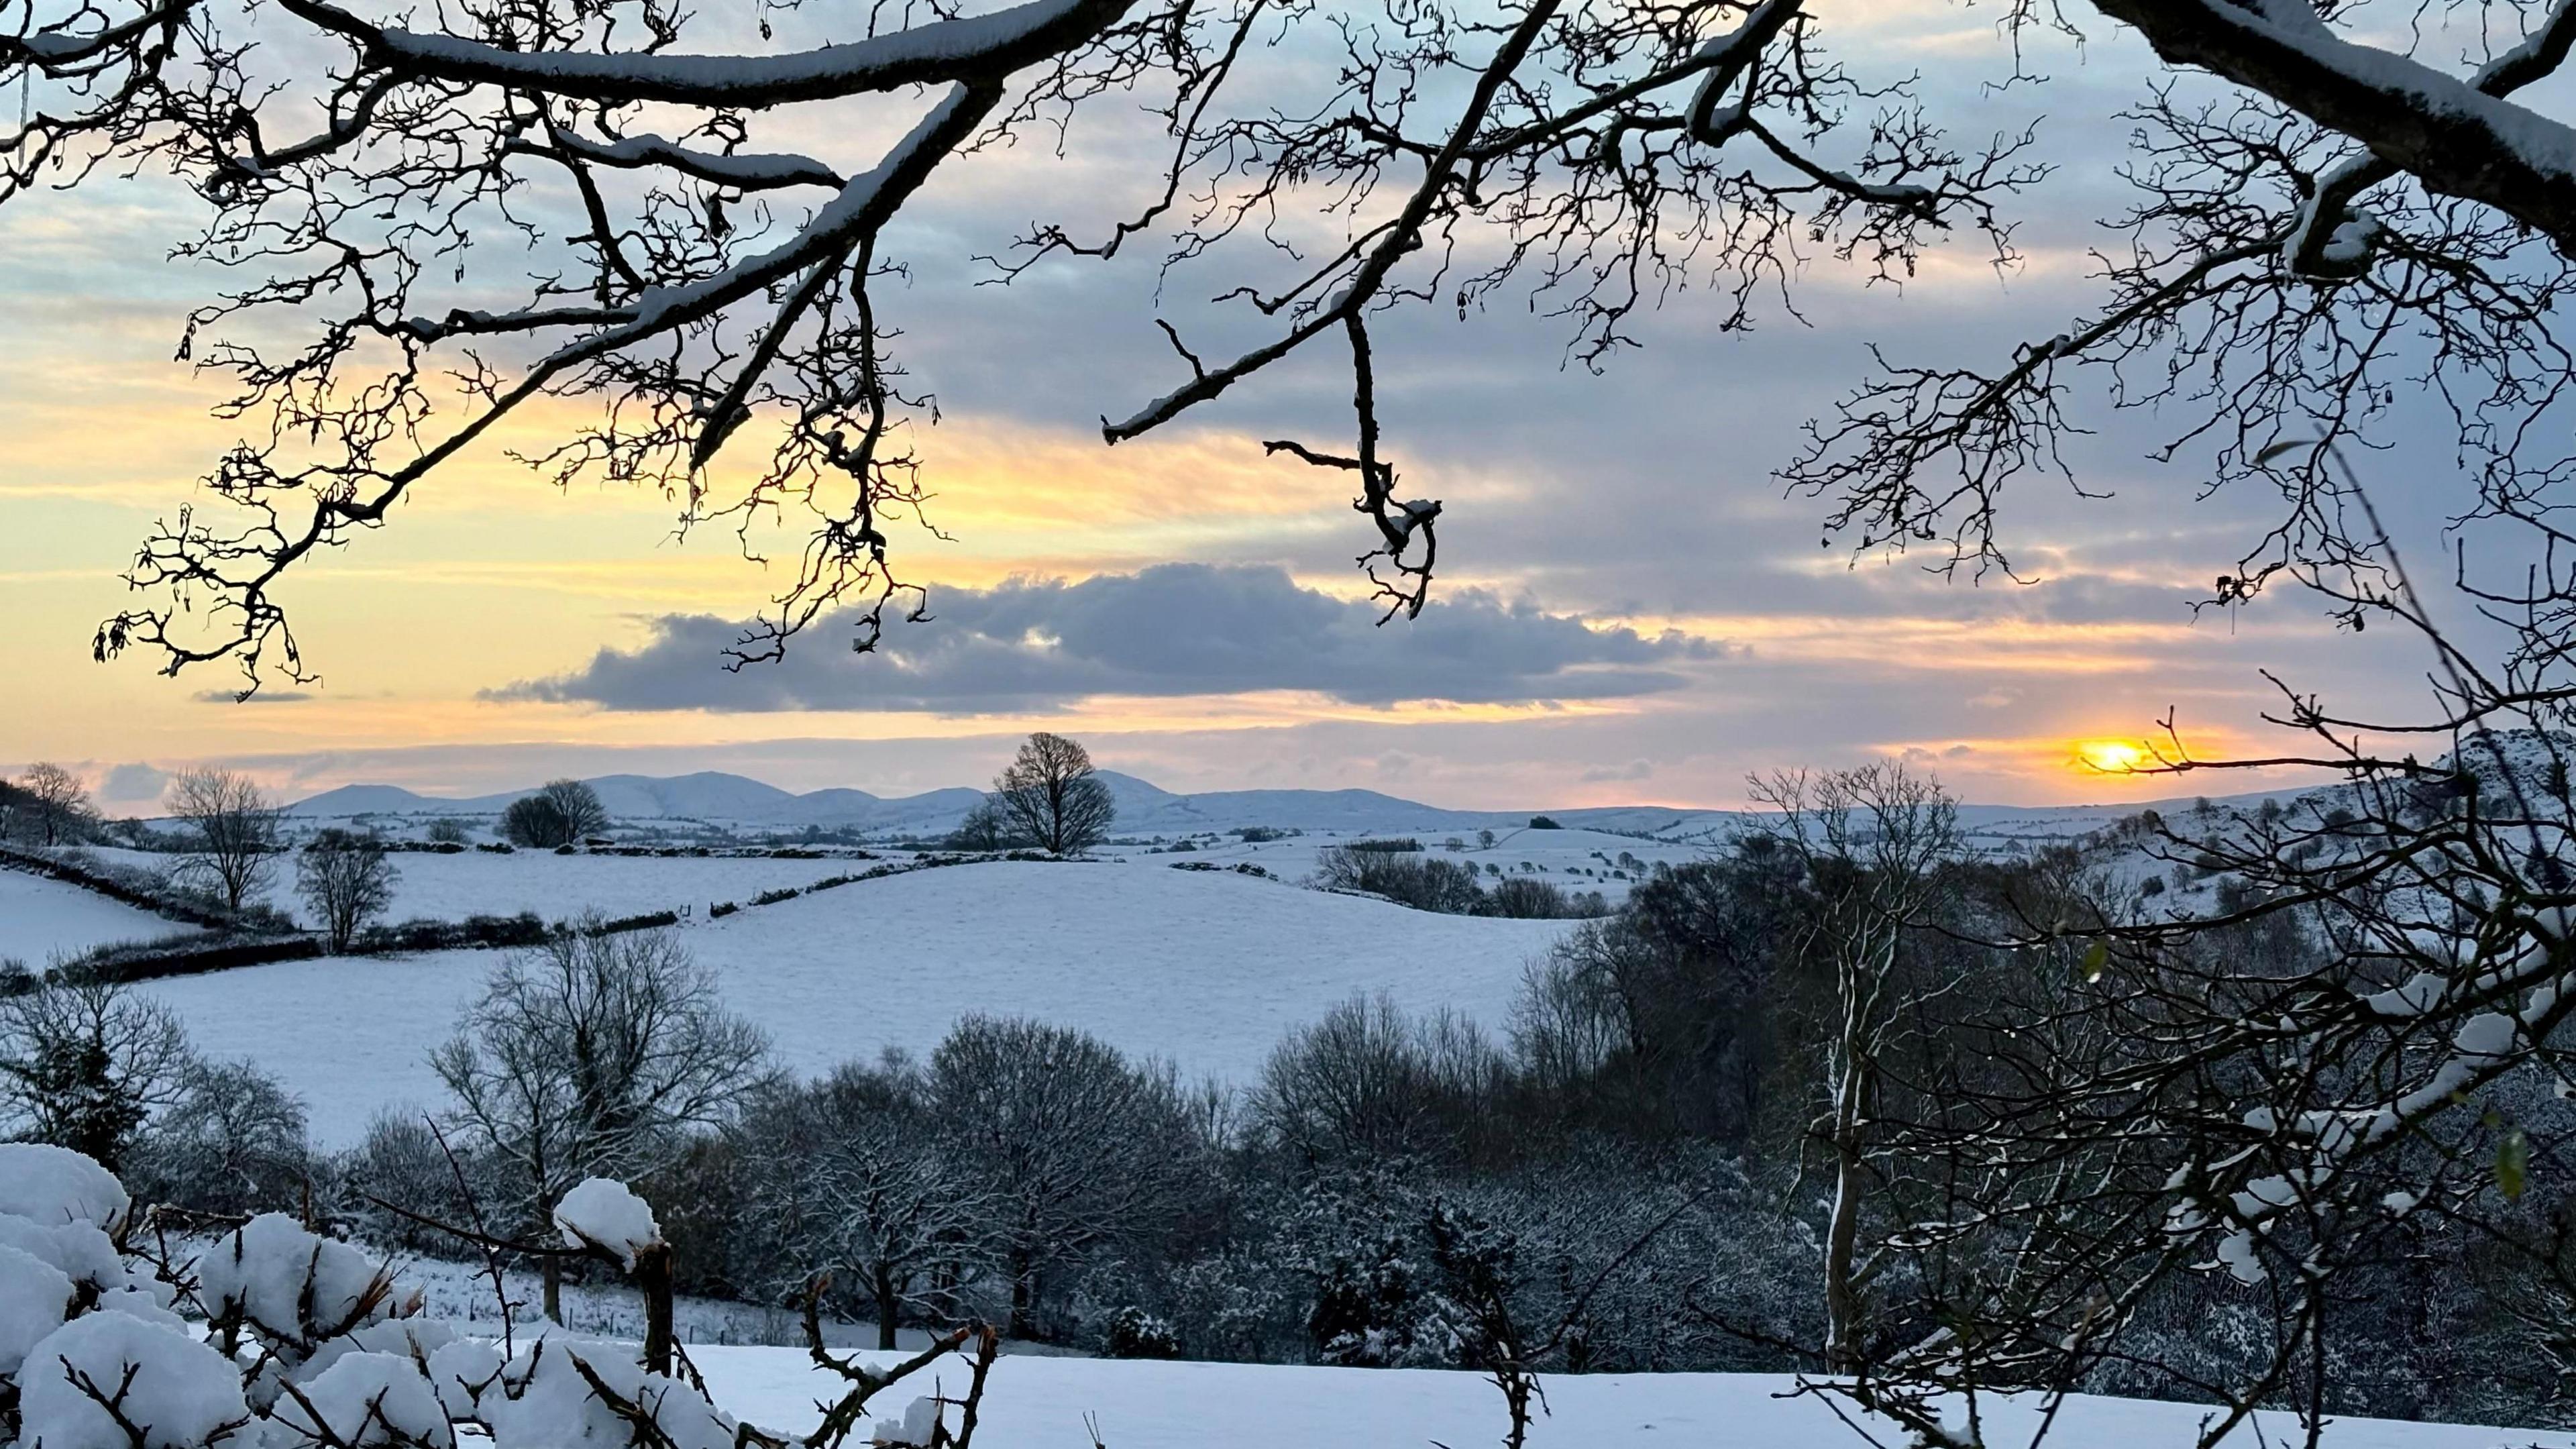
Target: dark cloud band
1178,629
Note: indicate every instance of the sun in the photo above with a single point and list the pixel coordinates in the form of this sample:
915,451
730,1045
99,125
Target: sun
2110,757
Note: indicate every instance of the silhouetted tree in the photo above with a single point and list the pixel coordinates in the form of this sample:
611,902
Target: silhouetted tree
559,812
1050,794
346,880
56,803
235,828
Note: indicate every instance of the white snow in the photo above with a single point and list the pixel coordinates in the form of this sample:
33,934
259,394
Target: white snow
603,1213
366,1401
294,1287
52,1185
555,887
182,1394
42,918
1208,969
543,1401
34,1296
1151,1405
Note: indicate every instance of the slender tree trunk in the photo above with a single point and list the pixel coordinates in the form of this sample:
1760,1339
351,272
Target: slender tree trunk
1855,1074
888,1306
549,1268
1023,1295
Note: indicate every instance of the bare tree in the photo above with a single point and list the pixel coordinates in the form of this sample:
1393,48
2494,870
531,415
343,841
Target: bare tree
57,800
1073,1147
1050,794
557,813
230,1141
594,1055
1876,842
235,828
987,827
85,1064
346,880
711,289
897,1211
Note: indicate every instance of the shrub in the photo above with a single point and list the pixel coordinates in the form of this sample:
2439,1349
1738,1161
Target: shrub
1399,844
1544,822
1425,885
1529,900
1131,1332
721,909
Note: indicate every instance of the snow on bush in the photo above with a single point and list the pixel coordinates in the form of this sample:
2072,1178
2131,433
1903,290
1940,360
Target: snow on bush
549,1397
308,1344
295,1288
918,1428
605,1214
168,1391
364,1401
35,1297
54,1185
78,1250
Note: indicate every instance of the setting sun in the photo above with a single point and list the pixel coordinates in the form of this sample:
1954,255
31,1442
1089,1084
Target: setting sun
2109,756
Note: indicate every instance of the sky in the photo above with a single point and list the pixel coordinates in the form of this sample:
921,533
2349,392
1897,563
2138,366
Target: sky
1630,610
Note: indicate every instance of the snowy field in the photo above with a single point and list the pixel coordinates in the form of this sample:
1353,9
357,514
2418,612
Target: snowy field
1042,1403
1573,860
1206,969
41,919
557,887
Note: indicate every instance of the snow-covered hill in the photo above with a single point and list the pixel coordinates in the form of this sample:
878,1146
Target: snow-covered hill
1206,969
41,919
1144,810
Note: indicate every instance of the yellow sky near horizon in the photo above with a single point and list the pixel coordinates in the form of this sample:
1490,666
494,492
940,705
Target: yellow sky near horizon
488,576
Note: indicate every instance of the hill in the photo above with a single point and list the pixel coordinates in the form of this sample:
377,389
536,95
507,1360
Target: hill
1145,809
1205,969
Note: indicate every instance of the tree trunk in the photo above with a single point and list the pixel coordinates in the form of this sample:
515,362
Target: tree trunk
1023,1295
1864,972
888,1307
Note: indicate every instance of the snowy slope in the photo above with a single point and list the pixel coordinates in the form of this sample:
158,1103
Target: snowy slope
1206,969
556,887
42,918
1041,1403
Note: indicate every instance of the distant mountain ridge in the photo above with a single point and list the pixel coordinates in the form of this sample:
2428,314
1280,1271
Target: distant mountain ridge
716,798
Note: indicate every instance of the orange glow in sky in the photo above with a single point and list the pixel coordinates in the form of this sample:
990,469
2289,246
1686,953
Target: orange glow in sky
2110,757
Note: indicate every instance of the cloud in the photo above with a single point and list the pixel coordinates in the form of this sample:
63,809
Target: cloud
133,783
1167,631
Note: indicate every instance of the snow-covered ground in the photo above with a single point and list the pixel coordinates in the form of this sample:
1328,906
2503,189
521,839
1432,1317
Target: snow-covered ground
1207,969
41,919
557,887
1573,860
1054,1403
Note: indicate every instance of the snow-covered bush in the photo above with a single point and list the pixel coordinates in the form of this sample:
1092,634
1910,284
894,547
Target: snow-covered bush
309,1344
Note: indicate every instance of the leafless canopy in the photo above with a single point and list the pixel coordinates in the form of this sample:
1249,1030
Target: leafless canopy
1050,796
445,226
235,825
57,801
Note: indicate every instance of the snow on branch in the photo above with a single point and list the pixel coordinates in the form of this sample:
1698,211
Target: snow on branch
981,48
